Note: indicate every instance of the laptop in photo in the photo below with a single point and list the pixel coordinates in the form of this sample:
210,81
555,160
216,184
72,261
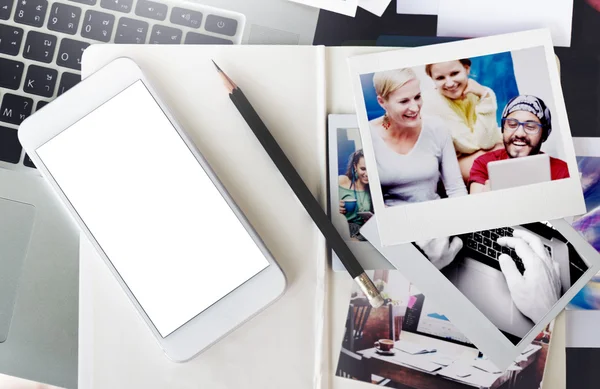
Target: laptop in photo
476,273
514,172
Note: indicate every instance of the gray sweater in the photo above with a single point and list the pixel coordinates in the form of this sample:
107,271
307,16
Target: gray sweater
413,177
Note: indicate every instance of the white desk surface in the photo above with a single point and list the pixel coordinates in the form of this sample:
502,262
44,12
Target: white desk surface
280,347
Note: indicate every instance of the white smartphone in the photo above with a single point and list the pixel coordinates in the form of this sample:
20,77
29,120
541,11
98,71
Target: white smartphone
190,262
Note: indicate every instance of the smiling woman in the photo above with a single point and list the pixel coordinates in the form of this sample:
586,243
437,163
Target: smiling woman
468,109
412,154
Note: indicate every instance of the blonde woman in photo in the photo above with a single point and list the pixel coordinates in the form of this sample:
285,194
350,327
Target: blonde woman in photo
412,154
467,108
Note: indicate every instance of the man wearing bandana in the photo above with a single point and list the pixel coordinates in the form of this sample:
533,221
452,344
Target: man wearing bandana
526,124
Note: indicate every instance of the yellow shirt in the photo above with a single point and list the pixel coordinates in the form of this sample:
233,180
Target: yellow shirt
471,122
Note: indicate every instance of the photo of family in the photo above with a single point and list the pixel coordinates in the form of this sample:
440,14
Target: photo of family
438,132
456,125
409,342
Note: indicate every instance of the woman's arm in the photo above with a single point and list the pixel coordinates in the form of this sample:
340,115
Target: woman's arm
486,130
449,169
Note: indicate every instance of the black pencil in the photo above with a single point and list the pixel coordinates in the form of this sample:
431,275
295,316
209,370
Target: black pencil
292,177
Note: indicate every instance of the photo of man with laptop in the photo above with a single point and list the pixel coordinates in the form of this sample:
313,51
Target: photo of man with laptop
513,275
526,124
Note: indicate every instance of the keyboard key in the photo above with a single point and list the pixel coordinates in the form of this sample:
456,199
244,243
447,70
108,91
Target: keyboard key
68,81
5,8
39,46
10,39
40,104
486,233
487,242
28,162
97,26
481,248
472,244
494,236
15,109
64,18
186,17
509,231
117,5
131,31
87,2
10,148
165,35
70,52
478,238
40,81
31,12
10,73
221,25
151,9
496,246
491,252
201,39
514,255
505,250
501,232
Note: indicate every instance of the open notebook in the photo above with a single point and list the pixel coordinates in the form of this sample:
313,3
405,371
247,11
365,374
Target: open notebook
292,88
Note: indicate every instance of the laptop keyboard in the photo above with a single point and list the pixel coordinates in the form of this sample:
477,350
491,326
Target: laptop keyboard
42,41
483,246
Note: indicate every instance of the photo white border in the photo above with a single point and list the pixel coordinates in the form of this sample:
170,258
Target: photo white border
344,7
461,311
586,147
445,217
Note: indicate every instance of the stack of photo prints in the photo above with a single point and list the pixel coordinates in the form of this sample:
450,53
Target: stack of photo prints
458,186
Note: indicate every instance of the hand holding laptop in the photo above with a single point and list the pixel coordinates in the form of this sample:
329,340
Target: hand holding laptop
538,289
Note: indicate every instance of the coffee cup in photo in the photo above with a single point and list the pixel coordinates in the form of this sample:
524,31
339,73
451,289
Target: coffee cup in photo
350,205
384,344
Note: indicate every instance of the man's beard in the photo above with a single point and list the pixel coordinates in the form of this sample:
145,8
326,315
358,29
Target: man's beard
527,143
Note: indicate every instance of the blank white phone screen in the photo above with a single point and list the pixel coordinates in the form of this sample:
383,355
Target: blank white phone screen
152,208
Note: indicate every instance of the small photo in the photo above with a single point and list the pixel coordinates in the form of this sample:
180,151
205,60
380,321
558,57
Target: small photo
514,275
409,342
458,125
353,195
350,201
588,224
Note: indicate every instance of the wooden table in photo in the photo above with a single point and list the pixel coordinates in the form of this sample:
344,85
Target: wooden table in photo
385,366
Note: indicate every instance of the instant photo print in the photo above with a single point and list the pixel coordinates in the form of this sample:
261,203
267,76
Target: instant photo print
500,287
410,340
588,224
439,123
348,183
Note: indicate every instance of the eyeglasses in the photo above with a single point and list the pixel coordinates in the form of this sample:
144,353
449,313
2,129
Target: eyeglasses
512,125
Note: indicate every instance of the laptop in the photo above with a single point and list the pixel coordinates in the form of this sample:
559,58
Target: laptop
41,44
513,172
476,273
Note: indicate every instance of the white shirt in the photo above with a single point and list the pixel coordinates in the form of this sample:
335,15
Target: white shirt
413,177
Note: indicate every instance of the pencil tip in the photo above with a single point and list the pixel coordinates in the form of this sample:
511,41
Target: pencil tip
217,66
